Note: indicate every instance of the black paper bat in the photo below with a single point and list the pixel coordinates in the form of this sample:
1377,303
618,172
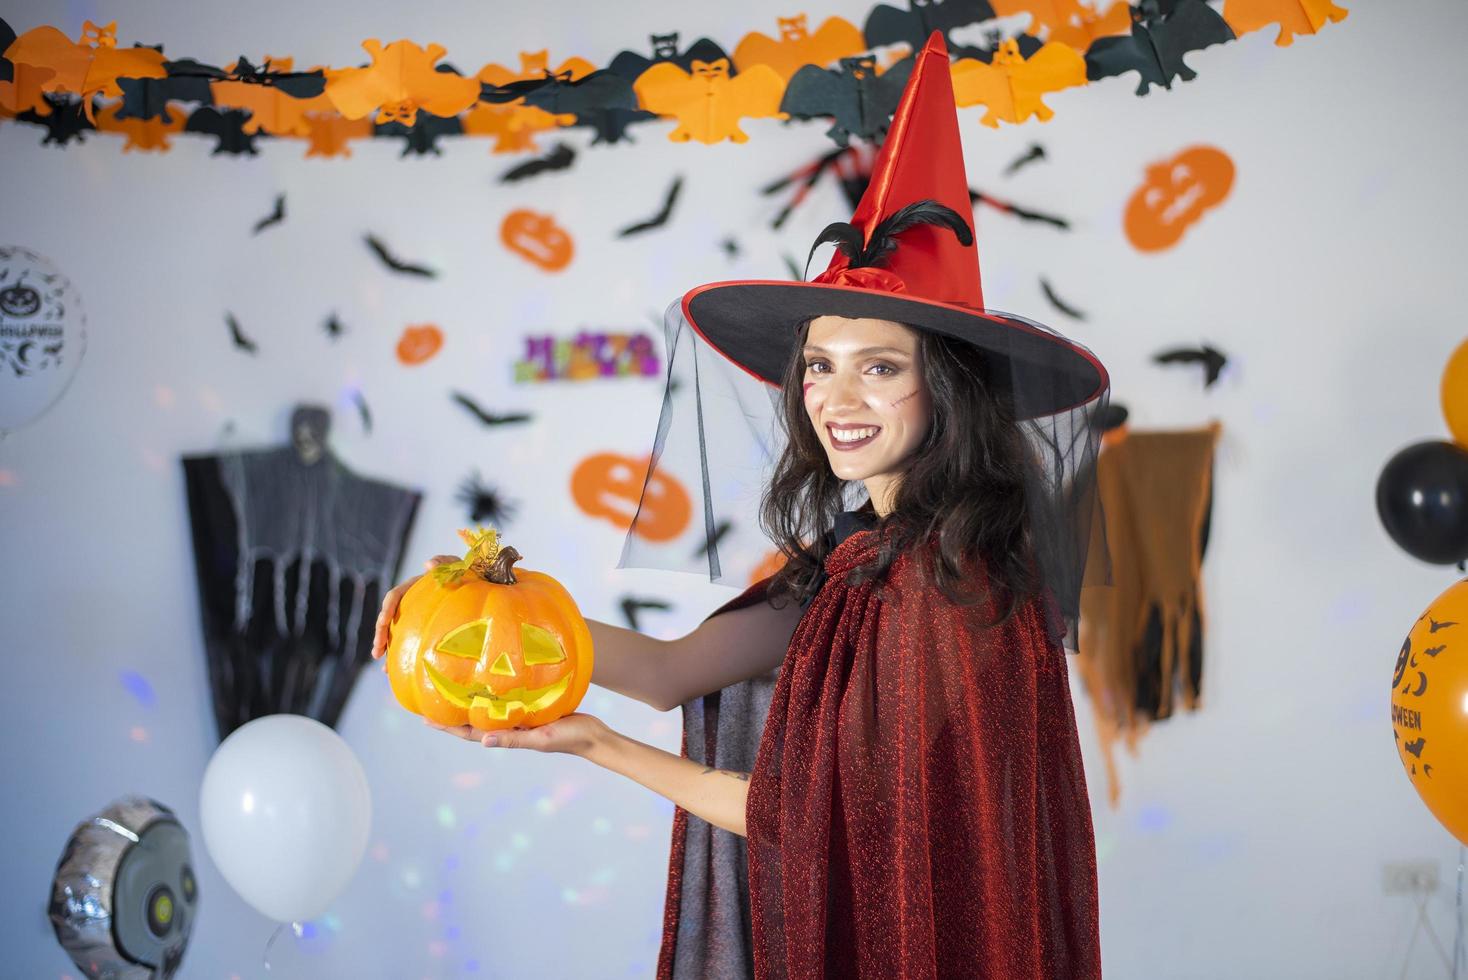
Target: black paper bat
1034,153
488,418
296,84
1065,308
631,606
630,64
859,100
659,219
602,100
422,137
7,38
275,217
486,504
559,158
730,247
891,25
363,412
1028,44
394,263
1212,359
187,81
238,336
333,327
721,530
1162,32
1024,214
65,124
228,126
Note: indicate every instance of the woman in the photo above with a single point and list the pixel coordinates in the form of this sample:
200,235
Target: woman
917,805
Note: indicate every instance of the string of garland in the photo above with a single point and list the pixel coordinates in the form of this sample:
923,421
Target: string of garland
837,72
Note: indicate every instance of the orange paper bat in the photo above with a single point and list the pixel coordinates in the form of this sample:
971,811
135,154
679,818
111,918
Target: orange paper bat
1080,32
1049,14
533,65
707,103
329,134
1292,16
1011,87
513,126
142,134
87,67
400,81
271,110
836,38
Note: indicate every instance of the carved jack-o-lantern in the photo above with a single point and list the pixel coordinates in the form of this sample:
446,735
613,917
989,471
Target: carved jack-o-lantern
19,299
1175,195
610,486
538,238
479,642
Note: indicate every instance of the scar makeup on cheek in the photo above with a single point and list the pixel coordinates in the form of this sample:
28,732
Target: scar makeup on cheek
904,398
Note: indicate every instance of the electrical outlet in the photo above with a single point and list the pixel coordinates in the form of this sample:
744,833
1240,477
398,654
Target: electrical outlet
1410,877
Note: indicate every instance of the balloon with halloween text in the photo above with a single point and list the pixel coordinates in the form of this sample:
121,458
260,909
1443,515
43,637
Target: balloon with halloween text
1430,708
1422,499
479,642
42,336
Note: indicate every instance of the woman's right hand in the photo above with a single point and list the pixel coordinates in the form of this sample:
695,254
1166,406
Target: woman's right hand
390,605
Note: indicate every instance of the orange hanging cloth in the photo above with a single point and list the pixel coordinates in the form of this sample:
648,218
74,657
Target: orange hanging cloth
1141,639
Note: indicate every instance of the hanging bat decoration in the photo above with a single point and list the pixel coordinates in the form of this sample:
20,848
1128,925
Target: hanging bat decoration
1212,359
363,412
1035,153
88,67
333,327
661,218
65,121
228,127
7,38
394,263
796,47
277,100
891,25
1012,85
485,503
708,99
859,99
485,417
186,81
275,217
721,530
1024,214
559,158
420,137
1291,16
1163,31
238,336
1055,301
630,65
631,606
142,134
602,101
730,247
401,80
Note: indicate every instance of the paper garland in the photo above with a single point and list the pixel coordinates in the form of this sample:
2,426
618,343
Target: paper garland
409,91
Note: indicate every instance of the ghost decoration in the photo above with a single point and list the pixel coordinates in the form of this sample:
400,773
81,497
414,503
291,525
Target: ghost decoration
42,336
124,897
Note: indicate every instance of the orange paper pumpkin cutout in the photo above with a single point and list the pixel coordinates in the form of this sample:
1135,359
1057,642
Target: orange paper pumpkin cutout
479,642
707,103
513,125
1175,195
537,238
1011,86
142,134
400,81
835,39
329,133
86,68
271,110
608,486
419,343
1292,16
533,65
1429,720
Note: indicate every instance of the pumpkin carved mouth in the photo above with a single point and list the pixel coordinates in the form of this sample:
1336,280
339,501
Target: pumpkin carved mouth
499,706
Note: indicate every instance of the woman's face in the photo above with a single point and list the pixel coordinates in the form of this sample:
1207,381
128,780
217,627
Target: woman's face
865,395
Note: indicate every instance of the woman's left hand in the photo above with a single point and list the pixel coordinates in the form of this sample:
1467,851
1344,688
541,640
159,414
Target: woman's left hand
575,734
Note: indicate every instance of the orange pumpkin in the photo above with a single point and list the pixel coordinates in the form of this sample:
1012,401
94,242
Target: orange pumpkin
1175,195
538,238
609,486
419,343
479,642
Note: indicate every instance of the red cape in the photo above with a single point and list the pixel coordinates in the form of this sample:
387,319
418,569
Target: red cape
918,806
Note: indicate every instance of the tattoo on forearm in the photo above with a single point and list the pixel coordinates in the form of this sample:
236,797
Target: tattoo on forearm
743,776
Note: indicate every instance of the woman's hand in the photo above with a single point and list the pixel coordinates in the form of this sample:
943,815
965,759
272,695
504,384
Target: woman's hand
390,606
575,734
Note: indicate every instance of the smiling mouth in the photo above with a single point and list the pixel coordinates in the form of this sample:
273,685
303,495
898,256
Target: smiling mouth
499,706
867,434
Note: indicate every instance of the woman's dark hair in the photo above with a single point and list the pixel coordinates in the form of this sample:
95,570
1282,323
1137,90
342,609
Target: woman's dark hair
964,487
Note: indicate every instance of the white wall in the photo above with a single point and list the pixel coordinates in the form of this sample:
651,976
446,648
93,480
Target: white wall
1251,837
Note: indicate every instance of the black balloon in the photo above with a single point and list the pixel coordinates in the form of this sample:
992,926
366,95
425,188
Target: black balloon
1422,497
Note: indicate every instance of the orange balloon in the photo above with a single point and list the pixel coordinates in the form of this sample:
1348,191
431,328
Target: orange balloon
1430,708
1455,394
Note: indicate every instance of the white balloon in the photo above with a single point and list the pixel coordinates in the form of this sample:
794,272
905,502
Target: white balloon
285,811
43,335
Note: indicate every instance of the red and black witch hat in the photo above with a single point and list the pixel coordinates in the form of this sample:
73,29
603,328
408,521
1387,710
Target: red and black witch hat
907,255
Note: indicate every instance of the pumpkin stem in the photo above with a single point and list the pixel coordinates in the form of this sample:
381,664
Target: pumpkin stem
501,570
485,558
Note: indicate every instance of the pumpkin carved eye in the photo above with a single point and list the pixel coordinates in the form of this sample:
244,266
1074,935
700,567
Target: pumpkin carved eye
540,645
